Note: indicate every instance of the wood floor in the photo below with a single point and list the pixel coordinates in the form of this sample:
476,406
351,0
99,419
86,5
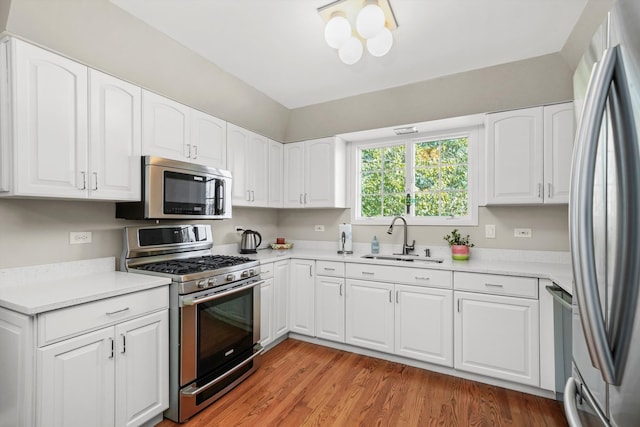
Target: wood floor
302,384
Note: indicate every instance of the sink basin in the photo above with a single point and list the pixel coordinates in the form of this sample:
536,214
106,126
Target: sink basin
398,257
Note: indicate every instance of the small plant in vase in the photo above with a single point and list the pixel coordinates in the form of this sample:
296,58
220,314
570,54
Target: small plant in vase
459,245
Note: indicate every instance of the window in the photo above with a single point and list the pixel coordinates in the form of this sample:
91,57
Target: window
429,180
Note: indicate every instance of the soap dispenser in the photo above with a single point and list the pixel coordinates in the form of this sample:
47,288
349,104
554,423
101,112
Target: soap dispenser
375,246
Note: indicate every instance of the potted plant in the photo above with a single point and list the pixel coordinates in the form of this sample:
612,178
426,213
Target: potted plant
459,245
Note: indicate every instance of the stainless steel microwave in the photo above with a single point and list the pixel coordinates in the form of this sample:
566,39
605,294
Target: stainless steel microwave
179,190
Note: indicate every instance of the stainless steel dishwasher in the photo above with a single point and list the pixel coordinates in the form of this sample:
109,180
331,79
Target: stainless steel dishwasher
562,333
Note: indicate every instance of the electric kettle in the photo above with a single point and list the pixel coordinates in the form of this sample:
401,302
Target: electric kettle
250,242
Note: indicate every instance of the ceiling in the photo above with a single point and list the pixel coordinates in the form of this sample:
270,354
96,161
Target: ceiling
278,47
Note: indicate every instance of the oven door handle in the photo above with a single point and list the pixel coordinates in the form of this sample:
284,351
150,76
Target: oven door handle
196,301
192,390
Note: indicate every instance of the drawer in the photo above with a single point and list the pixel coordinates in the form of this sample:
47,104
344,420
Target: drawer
67,322
330,268
526,287
408,275
266,270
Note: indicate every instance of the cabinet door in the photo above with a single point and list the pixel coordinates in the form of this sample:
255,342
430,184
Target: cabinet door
281,298
50,124
237,152
558,149
275,174
266,312
319,173
302,297
294,175
498,337
208,140
142,368
76,385
258,169
515,157
424,324
330,308
370,315
115,138
165,127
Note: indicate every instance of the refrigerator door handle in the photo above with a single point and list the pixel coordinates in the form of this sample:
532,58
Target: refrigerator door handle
627,269
581,216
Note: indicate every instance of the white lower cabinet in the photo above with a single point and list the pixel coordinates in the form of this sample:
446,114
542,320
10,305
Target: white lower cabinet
280,298
330,308
302,297
424,324
103,363
497,336
370,315
266,312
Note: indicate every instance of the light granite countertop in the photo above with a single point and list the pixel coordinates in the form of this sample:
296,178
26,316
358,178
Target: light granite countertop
554,266
41,288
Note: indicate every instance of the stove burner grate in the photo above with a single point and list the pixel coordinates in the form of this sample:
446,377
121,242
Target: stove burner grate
195,265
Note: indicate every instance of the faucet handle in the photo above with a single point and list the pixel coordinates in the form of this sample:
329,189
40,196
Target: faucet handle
427,252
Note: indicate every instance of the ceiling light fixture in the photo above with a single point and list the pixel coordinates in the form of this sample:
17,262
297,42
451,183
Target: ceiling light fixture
373,19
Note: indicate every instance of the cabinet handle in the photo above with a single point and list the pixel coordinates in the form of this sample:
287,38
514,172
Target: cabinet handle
95,180
195,150
111,313
340,289
397,299
124,343
329,269
305,198
84,180
300,198
422,278
188,153
112,348
248,195
368,273
458,306
266,272
549,190
310,270
494,285
253,196
539,191
390,296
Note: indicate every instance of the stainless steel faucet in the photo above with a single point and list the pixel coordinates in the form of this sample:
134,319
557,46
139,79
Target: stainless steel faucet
405,247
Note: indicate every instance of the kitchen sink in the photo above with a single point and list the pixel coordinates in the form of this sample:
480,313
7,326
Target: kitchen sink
398,257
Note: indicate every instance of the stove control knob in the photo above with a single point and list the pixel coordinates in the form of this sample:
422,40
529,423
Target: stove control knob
202,284
245,274
230,278
211,282
252,272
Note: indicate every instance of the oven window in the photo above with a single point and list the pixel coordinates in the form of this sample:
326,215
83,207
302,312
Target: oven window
225,330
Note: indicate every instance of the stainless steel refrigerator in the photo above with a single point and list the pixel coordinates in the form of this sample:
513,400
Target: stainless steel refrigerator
604,217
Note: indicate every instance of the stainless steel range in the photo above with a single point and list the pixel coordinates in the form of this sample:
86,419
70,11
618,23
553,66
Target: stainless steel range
214,313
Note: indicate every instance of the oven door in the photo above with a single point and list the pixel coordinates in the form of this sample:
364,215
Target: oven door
220,330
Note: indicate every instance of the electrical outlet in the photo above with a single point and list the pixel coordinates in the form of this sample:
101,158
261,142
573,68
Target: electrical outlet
79,237
319,228
490,231
522,232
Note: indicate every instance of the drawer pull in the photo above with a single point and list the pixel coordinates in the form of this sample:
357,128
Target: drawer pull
494,285
423,278
266,272
329,269
112,313
368,273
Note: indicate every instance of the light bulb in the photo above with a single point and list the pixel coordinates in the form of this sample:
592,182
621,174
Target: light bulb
351,51
337,31
381,44
370,21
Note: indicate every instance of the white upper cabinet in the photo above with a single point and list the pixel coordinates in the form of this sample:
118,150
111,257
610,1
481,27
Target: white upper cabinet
51,146
315,174
528,155
276,175
248,159
176,131
114,126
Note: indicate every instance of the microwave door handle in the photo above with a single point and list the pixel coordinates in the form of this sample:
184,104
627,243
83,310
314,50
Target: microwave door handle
581,216
627,269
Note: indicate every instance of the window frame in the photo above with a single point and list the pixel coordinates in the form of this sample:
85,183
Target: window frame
474,135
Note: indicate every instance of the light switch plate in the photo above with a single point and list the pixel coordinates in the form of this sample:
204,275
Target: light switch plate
490,231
